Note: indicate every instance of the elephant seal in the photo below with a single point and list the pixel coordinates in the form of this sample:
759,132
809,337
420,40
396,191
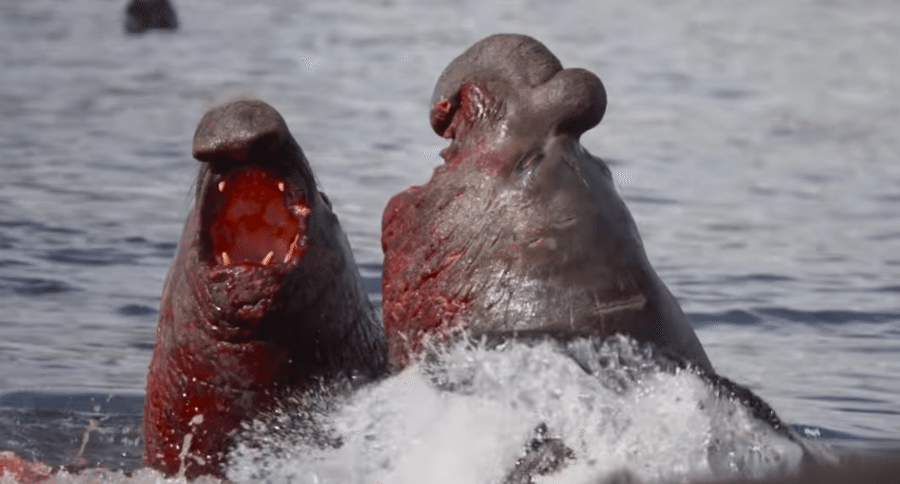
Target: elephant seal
263,299
141,15
520,233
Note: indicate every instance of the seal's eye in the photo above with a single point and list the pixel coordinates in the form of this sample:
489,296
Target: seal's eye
528,161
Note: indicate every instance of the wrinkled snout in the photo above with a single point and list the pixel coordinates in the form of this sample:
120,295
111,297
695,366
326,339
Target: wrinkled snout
240,132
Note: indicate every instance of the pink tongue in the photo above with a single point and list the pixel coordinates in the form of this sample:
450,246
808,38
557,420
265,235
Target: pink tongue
253,220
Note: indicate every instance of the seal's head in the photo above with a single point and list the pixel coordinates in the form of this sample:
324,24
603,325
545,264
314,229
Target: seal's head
507,88
521,231
255,196
264,298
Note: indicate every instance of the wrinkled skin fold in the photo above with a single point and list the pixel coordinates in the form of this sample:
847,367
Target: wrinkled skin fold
263,300
520,233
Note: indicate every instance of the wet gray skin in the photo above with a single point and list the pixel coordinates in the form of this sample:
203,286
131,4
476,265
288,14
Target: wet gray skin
521,233
262,301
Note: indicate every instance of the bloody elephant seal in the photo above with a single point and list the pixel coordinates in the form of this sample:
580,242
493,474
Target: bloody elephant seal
520,232
264,298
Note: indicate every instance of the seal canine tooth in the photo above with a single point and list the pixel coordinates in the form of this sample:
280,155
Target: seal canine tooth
268,258
290,251
281,186
222,185
225,259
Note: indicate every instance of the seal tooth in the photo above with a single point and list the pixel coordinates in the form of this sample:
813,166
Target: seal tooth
268,258
222,185
290,251
281,186
225,259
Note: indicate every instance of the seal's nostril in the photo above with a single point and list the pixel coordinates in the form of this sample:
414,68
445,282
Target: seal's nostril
441,116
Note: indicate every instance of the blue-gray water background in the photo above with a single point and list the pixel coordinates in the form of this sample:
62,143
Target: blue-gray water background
756,144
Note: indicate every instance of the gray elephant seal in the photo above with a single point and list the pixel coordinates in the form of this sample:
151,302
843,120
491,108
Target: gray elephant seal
520,233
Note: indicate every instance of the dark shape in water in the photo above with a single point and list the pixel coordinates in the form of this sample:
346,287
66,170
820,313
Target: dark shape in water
142,15
543,455
264,298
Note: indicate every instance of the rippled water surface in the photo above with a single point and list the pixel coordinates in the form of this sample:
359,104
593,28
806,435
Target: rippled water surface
755,143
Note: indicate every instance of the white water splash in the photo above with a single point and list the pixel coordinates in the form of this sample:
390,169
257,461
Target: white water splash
468,416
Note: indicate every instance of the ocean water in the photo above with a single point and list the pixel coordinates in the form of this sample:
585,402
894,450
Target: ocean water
755,144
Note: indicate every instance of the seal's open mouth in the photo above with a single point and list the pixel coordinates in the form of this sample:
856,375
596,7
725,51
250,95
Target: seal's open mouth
255,218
